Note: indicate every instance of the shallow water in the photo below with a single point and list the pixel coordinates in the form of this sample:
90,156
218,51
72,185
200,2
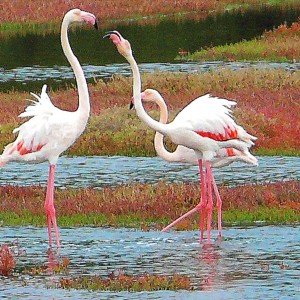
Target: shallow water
250,263
34,77
99,171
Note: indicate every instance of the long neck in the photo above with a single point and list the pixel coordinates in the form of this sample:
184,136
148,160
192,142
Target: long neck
138,101
84,103
159,138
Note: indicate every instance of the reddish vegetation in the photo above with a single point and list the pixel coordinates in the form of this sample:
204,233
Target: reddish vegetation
7,261
147,202
280,44
20,11
268,104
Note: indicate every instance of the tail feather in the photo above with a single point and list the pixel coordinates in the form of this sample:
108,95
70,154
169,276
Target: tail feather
43,105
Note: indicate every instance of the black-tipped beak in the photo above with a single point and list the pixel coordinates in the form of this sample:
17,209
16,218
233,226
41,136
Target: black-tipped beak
108,34
96,25
131,105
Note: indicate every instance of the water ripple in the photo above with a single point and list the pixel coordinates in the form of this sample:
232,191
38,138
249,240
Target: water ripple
249,262
99,171
60,73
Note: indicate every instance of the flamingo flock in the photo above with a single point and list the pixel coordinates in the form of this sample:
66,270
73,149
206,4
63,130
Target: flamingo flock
204,131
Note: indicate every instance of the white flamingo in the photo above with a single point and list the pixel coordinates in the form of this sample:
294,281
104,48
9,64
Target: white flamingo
205,129
224,157
50,130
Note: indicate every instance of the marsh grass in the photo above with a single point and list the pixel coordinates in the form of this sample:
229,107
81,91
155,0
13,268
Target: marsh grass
18,16
281,45
267,103
150,206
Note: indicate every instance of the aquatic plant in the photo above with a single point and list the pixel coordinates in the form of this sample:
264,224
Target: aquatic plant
7,260
281,44
60,266
124,282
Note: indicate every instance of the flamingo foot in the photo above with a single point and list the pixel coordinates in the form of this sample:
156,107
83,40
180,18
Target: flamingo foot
51,221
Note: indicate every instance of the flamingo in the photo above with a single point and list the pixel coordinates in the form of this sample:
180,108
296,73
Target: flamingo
224,157
50,130
203,128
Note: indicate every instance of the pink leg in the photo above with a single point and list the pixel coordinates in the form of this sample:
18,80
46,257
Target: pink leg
209,200
203,201
195,209
219,206
201,205
49,207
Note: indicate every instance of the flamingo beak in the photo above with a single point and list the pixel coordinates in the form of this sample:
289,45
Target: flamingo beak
131,105
96,25
109,33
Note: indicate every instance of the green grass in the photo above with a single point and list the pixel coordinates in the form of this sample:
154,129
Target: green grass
231,217
280,45
267,215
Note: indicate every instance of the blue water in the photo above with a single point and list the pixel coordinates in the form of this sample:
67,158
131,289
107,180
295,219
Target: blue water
57,73
250,263
99,171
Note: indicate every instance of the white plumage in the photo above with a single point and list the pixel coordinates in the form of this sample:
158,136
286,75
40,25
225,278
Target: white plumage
204,105
50,130
204,126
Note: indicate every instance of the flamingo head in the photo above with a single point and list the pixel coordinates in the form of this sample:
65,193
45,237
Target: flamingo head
148,95
123,46
77,15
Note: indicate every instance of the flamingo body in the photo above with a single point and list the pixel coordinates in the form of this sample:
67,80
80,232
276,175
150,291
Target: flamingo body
50,130
223,157
48,133
205,127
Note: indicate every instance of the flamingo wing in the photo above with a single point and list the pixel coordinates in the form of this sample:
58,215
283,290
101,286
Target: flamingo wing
47,133
210,117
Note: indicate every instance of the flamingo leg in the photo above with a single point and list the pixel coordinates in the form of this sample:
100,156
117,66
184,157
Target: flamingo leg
209,200
219,205
49,207
201,206
195,209
203,201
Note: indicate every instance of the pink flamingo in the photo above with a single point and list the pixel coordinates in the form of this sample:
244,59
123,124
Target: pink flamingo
51,131
204,128
223,157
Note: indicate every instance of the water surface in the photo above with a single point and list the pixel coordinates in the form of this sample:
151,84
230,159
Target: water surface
26,60
99,171
250,263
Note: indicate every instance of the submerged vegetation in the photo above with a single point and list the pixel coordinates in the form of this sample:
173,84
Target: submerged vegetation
281,45
123,282
151,206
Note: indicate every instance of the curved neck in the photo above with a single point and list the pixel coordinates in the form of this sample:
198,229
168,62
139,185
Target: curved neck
84,103
137,98
159,138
